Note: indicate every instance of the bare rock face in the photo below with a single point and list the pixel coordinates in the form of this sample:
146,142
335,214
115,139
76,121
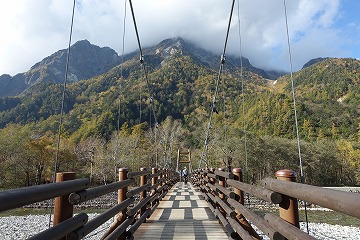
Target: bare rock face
11,86
179,46
86,61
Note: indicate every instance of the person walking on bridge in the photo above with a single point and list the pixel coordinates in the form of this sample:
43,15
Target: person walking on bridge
185,174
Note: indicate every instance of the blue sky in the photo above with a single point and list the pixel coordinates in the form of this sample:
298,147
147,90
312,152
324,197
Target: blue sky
348,23
34,29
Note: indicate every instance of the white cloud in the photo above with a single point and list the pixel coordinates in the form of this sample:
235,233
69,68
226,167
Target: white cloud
34,29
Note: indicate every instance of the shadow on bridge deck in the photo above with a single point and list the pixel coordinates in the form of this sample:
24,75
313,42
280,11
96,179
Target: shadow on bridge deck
182,214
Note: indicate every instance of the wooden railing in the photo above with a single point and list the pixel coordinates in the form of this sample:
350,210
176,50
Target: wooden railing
223,190
134,205
225,193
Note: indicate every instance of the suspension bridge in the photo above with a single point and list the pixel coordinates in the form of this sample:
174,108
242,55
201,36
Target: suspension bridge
156,204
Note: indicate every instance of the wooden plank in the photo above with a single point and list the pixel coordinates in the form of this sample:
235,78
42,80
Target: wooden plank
183,215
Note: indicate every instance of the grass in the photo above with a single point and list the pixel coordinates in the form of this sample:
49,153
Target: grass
24,212
330,217
318,216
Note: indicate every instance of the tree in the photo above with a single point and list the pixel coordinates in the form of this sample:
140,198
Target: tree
103,165
40,156
350,162
170,132
15,163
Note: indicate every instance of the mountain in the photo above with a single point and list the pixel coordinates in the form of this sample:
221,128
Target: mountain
181,81
313,61
179,72
171,46
12,86
86,60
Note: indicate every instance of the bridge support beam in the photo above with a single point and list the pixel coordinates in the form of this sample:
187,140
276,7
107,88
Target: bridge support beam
239,196
63,210
121,217
153,182
288,207
143,180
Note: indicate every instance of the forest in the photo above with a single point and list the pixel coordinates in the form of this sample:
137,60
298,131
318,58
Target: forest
108,123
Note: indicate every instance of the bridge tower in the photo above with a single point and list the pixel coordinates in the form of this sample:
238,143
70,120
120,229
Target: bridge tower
183,158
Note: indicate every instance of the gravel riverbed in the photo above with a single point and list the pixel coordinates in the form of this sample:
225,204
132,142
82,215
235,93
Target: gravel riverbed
22,227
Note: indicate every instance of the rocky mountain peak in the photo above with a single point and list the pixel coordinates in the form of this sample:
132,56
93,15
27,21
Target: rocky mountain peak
86,61
170,47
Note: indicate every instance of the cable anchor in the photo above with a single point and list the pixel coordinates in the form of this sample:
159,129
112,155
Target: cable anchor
223,58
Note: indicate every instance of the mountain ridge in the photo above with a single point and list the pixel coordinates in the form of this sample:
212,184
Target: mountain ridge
88,60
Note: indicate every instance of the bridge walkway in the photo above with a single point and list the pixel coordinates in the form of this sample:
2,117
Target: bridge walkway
182,214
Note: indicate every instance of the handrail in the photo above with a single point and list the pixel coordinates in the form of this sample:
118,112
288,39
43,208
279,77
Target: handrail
223,190
120,229
63,228
88,194
256,220
226,224
340,201
230,212
224,174
137,224
262,193
288,230
132,211
225,193
138,174
75,192
138,190
99,220
239,229
16,198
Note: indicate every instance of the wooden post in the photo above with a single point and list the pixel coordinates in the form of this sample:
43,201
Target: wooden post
178,160
122,191
122,197
153,182
62,208
189,159
238,177
166,179
221,183
143,180
211,180
288,207
121,217
239,196
159,178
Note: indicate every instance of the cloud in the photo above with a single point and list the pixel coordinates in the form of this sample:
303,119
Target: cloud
34,29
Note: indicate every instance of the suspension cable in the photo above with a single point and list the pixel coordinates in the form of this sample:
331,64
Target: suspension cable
295,113
143,65
62,105
203,157
149,90
120,87
242,93
226,152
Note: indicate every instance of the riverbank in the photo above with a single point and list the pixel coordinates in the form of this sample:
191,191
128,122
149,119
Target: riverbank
22,227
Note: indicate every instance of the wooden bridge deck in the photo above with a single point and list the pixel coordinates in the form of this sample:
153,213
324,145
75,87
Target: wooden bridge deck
182,214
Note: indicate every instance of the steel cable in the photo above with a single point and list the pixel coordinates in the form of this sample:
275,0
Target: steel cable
203,157
62,104
295,113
